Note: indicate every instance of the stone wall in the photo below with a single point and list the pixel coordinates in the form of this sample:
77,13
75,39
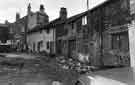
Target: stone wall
40,36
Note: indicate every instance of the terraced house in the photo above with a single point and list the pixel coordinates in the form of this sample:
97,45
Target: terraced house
99,35
35,22
42,37
17,31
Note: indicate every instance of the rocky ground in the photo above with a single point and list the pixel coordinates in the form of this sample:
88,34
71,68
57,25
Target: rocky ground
19,67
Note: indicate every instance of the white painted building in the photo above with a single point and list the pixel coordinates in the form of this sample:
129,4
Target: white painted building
42,40
41,35
131,32
38,18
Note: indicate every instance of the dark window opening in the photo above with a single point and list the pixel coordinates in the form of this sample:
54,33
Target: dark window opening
120,41
78,83
48,31
47,44
34,46
40,45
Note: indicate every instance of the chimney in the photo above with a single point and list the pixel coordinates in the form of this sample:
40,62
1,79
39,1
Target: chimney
17,16
42,8
63,13
6,22
29,9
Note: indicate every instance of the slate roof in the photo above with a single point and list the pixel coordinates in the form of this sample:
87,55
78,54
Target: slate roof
58,21
51,24
3,25
21,20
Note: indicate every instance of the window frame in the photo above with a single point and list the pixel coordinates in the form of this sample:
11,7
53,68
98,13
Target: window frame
84,20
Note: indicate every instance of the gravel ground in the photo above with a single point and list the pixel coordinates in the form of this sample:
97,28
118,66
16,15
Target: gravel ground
35,70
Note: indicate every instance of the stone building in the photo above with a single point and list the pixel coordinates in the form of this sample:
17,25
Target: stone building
99,31
38,18
18,32
21,26
36,36
5,41
43,36
4,33
131,32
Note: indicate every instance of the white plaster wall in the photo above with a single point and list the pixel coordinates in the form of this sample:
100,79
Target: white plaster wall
32,21
131,31
48,37
132,6
37,36
34,38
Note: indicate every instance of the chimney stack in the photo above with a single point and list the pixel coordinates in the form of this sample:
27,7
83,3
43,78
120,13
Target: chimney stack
17,16
6,22
63,13
42,8
29,9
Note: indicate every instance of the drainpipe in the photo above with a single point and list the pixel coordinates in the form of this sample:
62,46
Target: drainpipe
25,34
101,27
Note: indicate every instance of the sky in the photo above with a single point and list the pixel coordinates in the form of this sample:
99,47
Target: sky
8,8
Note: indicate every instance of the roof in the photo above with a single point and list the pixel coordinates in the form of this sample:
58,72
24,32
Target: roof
21,20
75,17
43,14
51,24
35,29
3,25
58,21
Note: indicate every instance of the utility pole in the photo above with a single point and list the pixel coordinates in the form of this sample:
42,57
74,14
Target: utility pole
87,4
25,34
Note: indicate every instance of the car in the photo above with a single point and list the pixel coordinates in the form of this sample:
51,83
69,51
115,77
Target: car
115,76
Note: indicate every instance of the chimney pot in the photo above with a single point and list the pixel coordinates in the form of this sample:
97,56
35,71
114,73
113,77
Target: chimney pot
17,16
63,13
41,8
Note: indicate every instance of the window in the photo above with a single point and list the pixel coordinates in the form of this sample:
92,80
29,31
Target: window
48,31
40,45
84,20
40,31
72,26
22,29
115,41
78,83
120,41
52,48
34,46
48,45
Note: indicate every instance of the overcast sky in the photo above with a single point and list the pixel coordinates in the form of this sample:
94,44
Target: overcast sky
8,8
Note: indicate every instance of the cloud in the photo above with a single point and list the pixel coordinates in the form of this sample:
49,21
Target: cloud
8,8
